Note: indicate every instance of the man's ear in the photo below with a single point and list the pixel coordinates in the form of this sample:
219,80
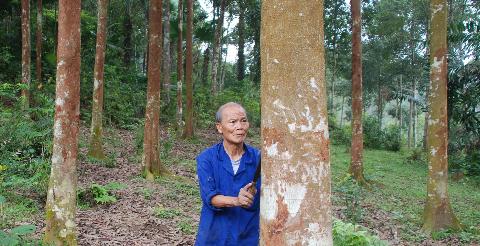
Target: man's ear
219,127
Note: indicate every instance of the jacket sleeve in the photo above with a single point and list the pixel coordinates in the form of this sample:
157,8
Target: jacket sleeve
206,182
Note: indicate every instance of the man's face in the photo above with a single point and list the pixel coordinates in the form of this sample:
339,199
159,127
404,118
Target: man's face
234,124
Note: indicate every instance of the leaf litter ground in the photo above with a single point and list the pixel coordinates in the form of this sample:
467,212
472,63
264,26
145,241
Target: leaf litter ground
166,212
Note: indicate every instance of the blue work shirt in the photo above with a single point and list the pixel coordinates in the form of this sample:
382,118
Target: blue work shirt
233,225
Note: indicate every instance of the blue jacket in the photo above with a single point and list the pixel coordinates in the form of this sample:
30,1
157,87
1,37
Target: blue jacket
227,226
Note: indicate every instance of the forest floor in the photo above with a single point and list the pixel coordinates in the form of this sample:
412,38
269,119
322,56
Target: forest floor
166,212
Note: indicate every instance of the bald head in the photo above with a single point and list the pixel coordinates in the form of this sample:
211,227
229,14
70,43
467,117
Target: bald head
219,114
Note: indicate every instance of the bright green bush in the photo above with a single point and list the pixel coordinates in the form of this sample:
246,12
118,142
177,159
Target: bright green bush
347,234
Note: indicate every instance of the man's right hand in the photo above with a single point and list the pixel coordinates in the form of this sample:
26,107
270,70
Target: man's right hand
245,196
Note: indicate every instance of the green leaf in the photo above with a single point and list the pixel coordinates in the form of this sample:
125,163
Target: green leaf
7,240
24,230
2,200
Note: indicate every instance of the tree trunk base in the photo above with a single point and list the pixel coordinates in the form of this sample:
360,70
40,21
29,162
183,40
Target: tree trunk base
440,218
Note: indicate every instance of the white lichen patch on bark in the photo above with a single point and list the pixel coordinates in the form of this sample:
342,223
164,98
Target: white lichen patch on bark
272,150
268,206
294,195
437,64
433,151
313,83
436,8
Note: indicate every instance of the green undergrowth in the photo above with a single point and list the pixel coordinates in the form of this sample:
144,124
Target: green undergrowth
398,187
348,234
180,185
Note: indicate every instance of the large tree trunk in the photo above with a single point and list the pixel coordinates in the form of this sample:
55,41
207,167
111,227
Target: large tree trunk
295,203
166,51
356,166
26,48
241,41
180,66
62,188
438,213
38,46
188,133
216,47
96,130
151,146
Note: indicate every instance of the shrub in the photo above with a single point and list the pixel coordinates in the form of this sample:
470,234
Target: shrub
392,141
347,234
373,136
342,136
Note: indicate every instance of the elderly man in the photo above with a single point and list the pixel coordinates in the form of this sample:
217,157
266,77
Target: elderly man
231,204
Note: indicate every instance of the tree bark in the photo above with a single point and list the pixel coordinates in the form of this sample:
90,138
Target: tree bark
62,187
400,114
127,32
206,61
188,133
166,51
151,147
425,126
335,55
26,49
216,47
438,213
241,41
356,165
96,130
180,66
295,203
341,112
38,46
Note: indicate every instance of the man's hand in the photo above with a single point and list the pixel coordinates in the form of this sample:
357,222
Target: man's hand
246,195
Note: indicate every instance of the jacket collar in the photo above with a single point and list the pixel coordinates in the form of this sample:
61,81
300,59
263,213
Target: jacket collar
222,156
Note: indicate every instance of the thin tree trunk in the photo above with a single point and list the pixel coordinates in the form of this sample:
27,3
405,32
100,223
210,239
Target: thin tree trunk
380,105
26,49
341,112
62,188
241,41
425,125
188,133
96,130
224,63
410,122
335,55
356,165
127,32
38,40
438,213
151,147
166,51
216,47
400,109
414,117
295,203
180,66
206,61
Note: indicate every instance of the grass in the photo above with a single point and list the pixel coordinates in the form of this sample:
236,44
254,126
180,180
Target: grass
400,190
